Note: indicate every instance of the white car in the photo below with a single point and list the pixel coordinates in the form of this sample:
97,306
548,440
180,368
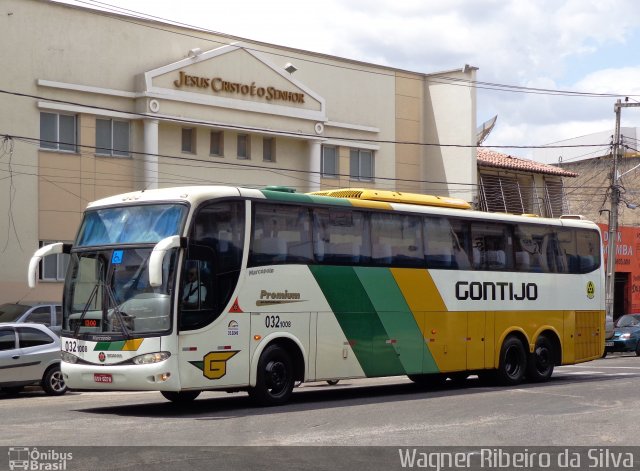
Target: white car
48,313
29,354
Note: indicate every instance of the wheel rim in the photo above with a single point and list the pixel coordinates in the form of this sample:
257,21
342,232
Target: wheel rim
276,377
57,382
513,362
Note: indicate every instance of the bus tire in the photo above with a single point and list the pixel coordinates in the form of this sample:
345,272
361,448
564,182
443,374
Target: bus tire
274,379
332,382
180,397
513,362
541,361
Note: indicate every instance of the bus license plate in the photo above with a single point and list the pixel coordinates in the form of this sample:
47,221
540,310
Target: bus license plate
608,344
102,378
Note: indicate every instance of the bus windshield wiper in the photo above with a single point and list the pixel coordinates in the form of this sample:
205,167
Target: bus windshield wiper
93,294
116,311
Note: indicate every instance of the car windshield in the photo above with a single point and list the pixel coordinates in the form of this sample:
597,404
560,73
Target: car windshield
629,320
12,312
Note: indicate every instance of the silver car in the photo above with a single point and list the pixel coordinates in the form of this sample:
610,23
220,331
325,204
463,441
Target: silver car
47,313
29,354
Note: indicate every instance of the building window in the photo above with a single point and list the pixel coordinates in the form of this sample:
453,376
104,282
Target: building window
216,146
112,137
58,132
189,140
555,200
53,267
361,164
268,149
329,162
244,146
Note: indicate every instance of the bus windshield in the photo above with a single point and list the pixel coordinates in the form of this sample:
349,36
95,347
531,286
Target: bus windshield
131,224
108,291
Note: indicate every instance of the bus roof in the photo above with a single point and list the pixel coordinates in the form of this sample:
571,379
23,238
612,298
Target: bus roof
372,199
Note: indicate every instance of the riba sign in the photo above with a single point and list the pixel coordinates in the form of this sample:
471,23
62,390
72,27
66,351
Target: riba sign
219,85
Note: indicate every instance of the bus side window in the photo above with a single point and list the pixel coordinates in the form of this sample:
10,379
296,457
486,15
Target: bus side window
281,234
492,246
340,236
442,248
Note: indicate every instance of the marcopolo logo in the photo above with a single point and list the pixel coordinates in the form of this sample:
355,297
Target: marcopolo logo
32,459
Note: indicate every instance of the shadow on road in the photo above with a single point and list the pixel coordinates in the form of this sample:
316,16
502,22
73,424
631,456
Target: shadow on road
314,397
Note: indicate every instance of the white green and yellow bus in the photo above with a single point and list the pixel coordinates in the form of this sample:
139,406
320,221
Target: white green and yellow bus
183,290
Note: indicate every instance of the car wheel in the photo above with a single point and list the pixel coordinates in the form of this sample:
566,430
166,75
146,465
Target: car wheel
541,361
180,397
513,362
274,382
53,382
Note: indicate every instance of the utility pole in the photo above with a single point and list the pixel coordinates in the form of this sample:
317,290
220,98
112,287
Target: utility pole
613,213
613,217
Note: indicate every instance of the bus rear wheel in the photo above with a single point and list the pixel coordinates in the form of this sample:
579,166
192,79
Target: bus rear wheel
180,397
274,381
541,361
513,362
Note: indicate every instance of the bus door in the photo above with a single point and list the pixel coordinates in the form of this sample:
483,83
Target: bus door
214,331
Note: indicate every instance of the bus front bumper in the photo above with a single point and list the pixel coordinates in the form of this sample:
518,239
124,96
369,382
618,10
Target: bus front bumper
161,376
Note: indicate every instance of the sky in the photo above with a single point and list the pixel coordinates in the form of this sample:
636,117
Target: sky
586,46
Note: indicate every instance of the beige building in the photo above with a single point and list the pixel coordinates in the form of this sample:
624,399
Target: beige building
94,104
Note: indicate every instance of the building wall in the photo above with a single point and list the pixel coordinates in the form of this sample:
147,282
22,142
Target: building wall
108,68
587,193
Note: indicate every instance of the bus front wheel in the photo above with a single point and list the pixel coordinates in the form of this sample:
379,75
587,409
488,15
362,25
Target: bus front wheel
274,381
541,361
180,397
513,362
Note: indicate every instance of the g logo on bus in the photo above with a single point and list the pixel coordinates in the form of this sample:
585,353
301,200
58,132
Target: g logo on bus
591,290
214,364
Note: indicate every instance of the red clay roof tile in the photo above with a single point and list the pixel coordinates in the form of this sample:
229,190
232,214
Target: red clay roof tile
491,158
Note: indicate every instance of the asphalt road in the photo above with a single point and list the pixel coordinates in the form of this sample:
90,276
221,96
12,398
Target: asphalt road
591,404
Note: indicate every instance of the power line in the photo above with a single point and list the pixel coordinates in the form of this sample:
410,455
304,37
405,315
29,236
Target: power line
291,133
198,163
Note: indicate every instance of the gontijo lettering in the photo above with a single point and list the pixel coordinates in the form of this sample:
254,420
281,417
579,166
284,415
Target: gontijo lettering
496,291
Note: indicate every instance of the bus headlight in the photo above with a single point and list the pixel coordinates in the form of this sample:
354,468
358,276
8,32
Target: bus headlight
148,358
69,358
